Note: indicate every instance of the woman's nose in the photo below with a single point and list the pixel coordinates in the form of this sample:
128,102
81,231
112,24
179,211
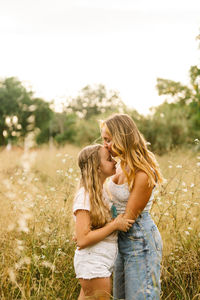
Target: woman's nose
105,144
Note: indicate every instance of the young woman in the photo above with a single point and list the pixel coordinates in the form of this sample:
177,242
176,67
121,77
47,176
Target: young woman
95,230
137,268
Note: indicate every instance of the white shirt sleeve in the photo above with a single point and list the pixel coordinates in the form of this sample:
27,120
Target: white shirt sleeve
81,201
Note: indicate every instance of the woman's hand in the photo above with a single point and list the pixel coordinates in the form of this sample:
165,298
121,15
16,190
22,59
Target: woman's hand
122,223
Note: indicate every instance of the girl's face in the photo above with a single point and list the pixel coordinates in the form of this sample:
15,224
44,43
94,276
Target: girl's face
107,164
107,141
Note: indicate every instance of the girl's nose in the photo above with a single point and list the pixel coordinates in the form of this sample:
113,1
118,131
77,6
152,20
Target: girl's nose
114,161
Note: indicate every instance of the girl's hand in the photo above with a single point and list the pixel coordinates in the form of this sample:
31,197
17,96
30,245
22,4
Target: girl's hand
122,223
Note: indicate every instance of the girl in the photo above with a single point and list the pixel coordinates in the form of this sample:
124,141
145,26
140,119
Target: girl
95,230
137,268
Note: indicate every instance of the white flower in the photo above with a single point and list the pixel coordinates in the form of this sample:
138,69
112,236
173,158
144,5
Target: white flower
70,170
179,166
198,164
184,190
187,232
170,167
49,265
12,275
192,185
186,205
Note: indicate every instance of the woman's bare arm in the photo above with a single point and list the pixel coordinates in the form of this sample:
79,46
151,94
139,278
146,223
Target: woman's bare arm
139,196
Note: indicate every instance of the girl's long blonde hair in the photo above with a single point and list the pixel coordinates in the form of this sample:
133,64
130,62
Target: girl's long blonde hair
131,147
89,163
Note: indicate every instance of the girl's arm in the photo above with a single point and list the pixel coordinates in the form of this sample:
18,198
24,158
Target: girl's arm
87,237
139,196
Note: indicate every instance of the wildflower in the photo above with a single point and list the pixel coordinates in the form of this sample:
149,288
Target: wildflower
189,228
63,160
70,170
52,189
49,265
179,166
22,225
170,167
184,190
198,164
11,275
11,227
196,141
25,260
43,247
186,205
192,185
187,232
164,180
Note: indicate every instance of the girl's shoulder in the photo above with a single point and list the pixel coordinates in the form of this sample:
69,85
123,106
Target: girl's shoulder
81,200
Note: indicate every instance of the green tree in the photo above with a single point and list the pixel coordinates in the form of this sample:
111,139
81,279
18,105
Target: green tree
20,112
181,110
93,101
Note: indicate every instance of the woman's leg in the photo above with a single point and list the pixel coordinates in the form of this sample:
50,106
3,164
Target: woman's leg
118,278
96,288
142,266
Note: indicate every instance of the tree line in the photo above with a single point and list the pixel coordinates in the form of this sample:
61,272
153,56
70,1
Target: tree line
174,123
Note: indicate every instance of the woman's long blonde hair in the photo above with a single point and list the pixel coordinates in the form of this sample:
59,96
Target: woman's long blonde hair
131,147
89,164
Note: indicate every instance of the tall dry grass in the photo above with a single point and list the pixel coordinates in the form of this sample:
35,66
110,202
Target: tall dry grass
36,225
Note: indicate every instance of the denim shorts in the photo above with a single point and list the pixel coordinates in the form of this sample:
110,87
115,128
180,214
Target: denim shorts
137,267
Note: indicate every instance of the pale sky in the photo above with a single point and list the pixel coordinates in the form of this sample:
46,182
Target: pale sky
59,46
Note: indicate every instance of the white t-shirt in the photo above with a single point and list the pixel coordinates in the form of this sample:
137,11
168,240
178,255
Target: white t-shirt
82,201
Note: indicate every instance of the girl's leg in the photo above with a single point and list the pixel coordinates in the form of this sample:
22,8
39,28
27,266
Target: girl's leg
81,296
96,288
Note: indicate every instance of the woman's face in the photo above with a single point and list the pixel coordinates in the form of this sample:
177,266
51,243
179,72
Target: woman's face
107,141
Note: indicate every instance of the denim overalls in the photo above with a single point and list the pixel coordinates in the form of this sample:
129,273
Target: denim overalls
137,268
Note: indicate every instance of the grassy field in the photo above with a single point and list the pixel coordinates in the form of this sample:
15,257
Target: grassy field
36,225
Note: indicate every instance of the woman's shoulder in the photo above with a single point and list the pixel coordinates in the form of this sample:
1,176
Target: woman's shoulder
141,178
